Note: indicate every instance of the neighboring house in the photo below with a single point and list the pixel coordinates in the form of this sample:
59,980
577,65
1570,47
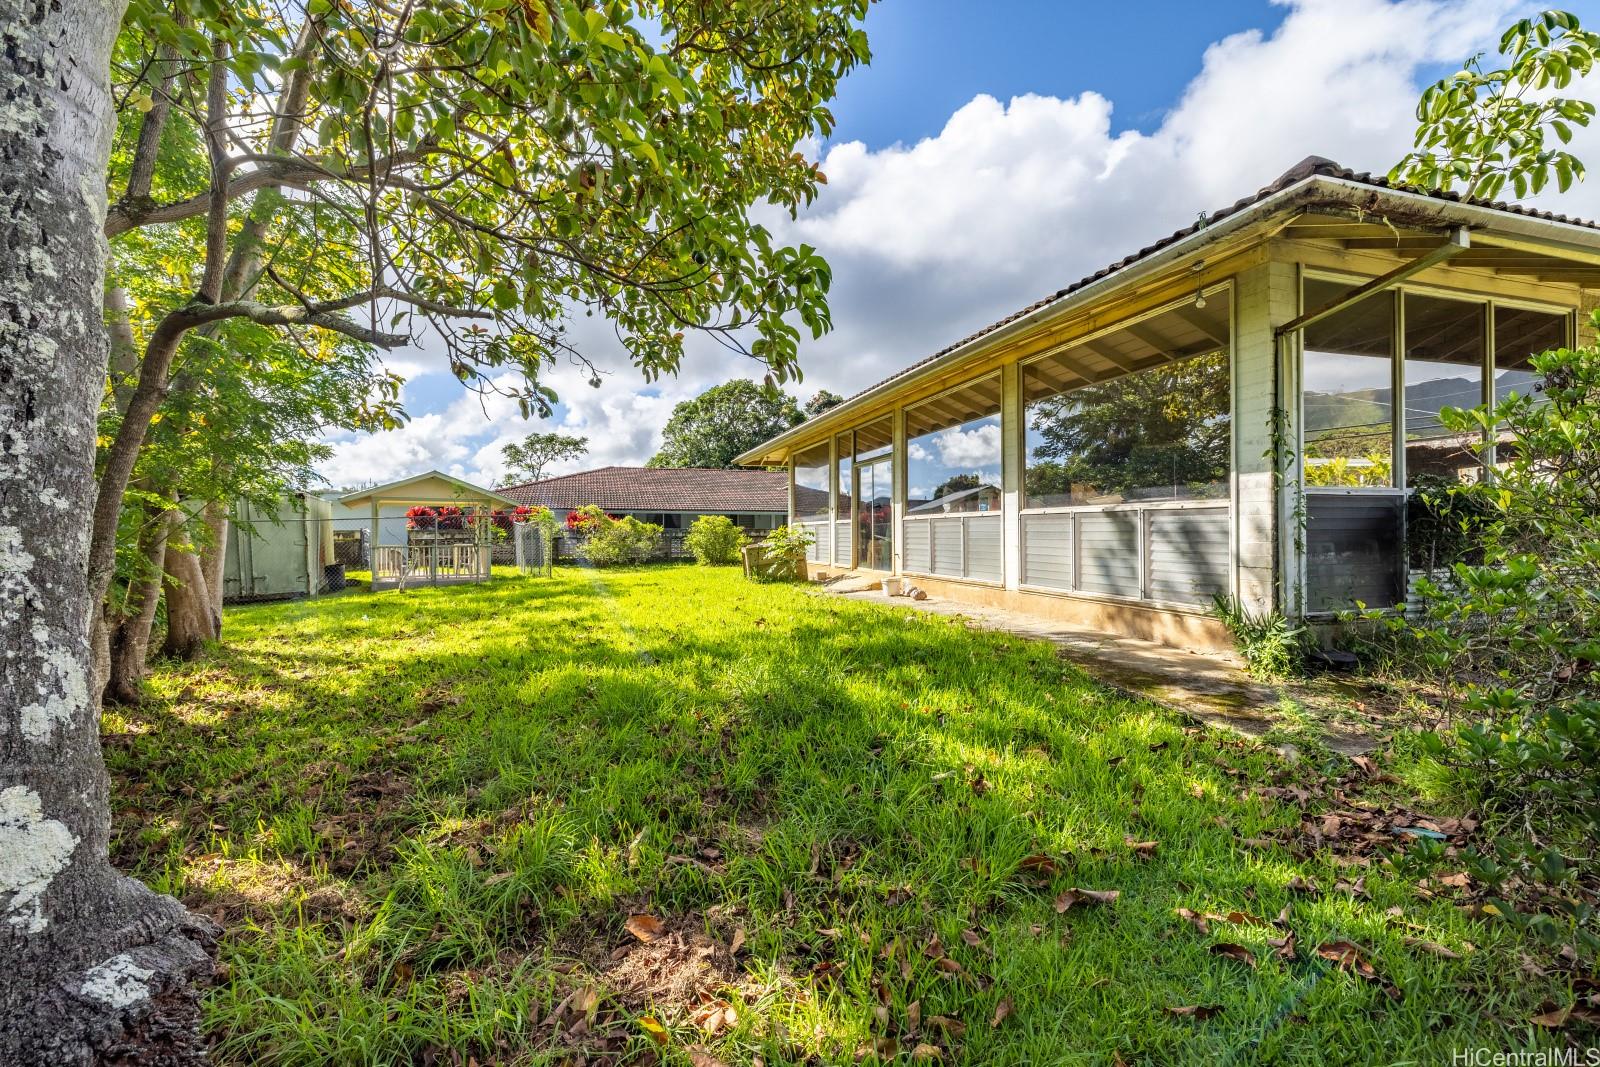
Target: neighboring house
978,498
1243,408
670,497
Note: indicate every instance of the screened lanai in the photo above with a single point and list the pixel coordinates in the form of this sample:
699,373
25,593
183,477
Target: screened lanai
1246,409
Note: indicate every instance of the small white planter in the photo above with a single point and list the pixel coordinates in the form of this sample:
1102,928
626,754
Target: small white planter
891,587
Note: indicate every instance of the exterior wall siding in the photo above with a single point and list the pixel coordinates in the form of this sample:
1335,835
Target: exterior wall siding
1108,553
1047,551
1266,296
956,546
1188,555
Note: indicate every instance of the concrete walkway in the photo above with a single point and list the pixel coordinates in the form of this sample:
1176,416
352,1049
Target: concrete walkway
1213,689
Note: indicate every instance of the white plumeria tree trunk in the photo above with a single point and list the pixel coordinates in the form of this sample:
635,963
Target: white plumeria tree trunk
94,967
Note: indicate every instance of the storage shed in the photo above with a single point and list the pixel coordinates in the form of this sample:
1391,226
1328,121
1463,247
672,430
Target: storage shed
1247,407
277,554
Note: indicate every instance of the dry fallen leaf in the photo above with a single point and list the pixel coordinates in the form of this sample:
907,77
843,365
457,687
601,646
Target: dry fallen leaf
699,1057
1433,948
953,1028
1348,957
653,1029
645,927
1038,864
1001,1011
972,938
884,1048
947,965
1195,919
1201,1012
1073,897
925,1052
737,943
1141,849
1551,1015
1284,946
1234,952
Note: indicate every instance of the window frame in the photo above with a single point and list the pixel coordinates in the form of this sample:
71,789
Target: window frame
903,494
1221,289
1396,295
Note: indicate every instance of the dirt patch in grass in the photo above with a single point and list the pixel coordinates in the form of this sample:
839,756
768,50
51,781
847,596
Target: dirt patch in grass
231,890
679,969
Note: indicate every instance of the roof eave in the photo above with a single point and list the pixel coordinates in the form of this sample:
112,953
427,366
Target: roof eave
1318,189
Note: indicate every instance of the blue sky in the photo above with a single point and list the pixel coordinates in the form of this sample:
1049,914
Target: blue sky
929,57
994,152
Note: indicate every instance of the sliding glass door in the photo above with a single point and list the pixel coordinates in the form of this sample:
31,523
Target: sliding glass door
874,482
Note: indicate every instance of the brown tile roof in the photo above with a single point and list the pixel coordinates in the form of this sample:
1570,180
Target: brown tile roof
659,489
1310,167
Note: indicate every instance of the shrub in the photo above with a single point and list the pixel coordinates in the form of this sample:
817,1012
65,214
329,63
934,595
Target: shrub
783,555
1270,646
715,540
612,540
1509,637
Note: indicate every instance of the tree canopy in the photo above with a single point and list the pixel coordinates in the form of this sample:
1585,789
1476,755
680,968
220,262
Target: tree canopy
821,401
1485,126
722,422
527,459
476,171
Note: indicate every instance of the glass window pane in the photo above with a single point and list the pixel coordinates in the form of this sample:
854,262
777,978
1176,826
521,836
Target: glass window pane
811,484
875,515
1157,434
1141,413
845,447
1518,335
953,452
1444,368
1348,390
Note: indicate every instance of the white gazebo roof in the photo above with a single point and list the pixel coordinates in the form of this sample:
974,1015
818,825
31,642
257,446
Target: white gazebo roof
430,487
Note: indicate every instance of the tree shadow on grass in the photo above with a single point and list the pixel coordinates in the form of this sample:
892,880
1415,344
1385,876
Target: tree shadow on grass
852,793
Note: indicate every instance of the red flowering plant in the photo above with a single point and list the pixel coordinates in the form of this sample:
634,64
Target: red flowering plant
505,518
420,517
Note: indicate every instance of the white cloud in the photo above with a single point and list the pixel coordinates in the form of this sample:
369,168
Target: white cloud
968,448
1010,202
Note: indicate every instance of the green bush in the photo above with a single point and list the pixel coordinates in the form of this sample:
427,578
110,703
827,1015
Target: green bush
611,541
1509,638
715,540
783,555
1270,646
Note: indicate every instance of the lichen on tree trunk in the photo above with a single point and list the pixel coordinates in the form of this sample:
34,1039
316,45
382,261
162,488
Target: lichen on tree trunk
97,967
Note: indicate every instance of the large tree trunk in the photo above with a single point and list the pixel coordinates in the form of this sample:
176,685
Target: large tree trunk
190,621
97,967
130,623
214,556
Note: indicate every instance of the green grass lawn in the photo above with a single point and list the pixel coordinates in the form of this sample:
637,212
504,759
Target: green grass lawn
425,820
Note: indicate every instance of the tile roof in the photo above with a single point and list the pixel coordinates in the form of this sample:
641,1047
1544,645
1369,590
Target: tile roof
659,489
1310,167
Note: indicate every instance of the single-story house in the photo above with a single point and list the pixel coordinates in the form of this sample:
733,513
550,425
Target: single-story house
1245,407
670,497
